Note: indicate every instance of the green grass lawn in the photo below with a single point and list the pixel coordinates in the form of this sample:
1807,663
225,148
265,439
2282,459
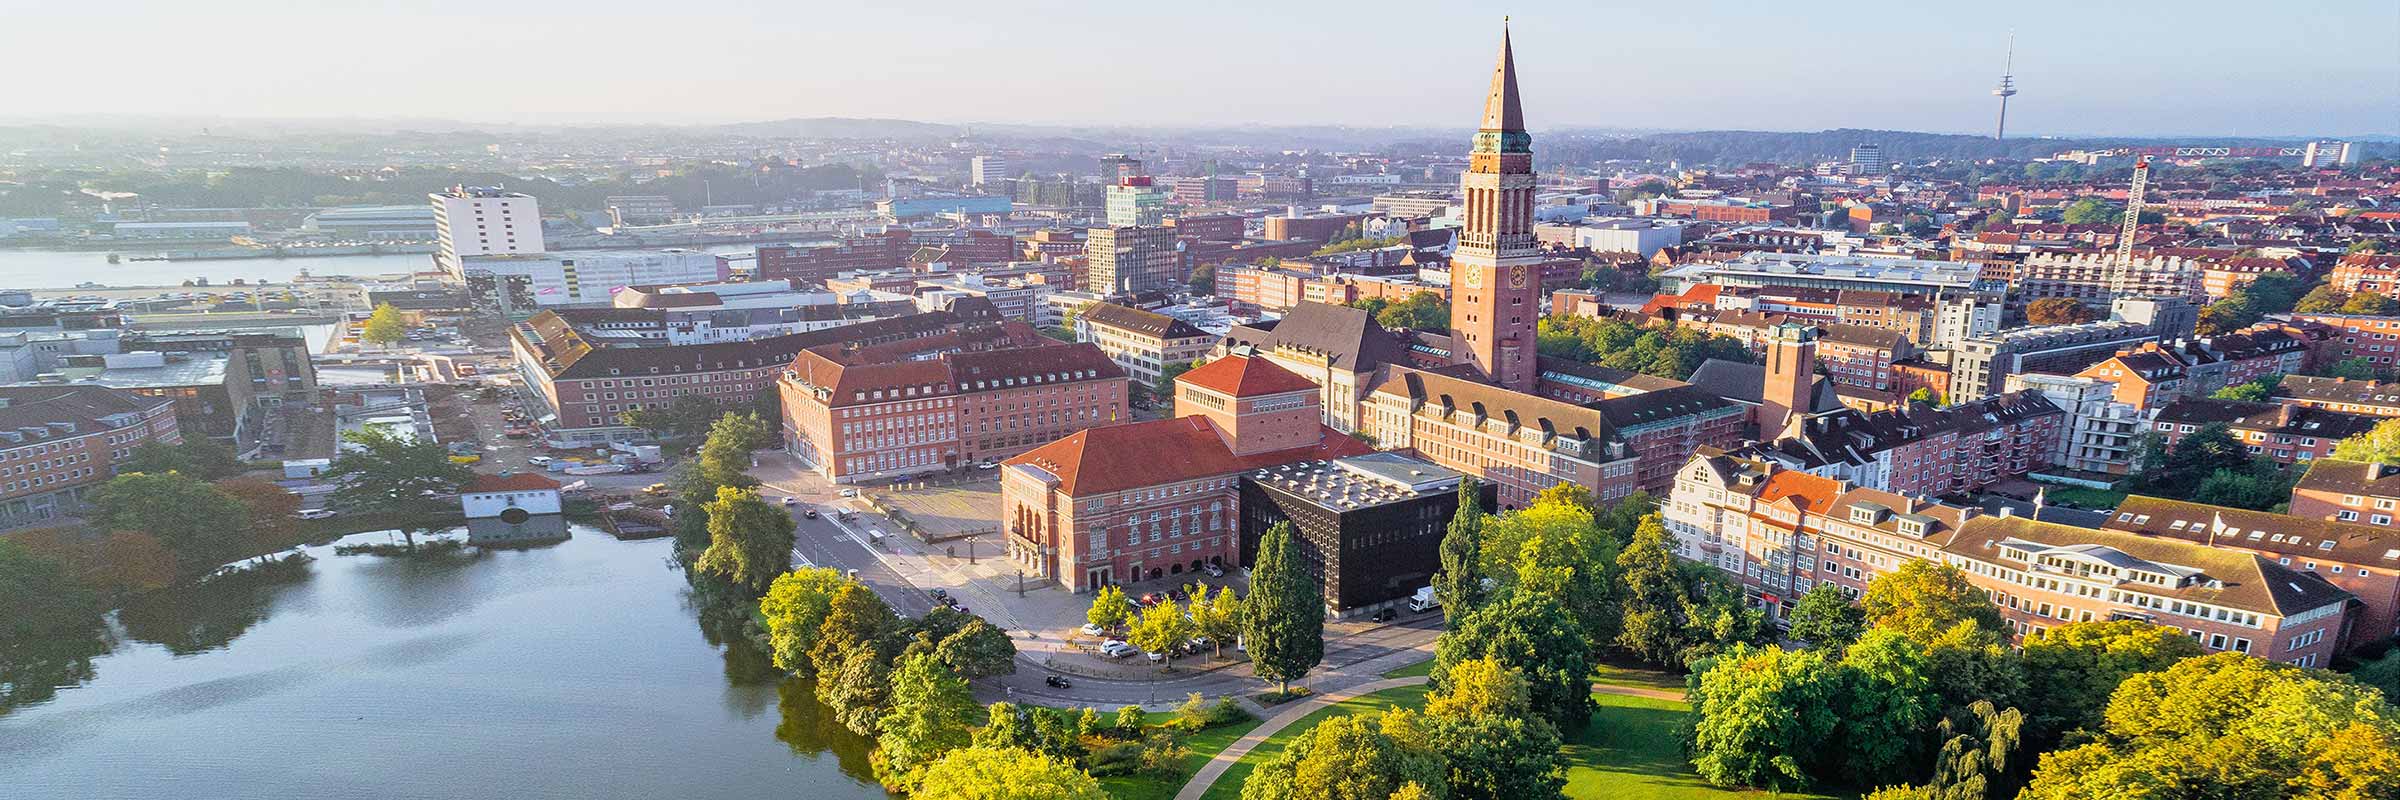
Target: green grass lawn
1229,785
1639,676
1417,670
1204,744
1633,751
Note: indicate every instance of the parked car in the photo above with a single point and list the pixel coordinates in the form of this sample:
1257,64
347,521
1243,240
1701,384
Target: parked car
1056,682
1155,657
1386,614
1093,629
1116,649
1213,570
938,593
540,461
874,535
849,492
318,513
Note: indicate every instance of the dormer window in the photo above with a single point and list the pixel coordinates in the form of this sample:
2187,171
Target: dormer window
1912,527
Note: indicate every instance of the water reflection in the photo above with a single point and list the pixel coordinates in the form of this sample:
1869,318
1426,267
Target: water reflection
810,729
434,673
195,618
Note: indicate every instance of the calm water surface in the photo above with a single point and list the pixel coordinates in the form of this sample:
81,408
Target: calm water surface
569,670
61,269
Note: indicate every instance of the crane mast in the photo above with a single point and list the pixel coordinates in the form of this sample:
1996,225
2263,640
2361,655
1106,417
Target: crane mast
2123,269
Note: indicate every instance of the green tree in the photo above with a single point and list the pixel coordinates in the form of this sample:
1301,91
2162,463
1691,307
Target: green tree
1658,602
2201,453
856,619
1204,280
1164,387
1764,717
979,650
2257,391
1825,617
684,417
1480,687
1534,635
42,603
2357,369
749,540
2371,304
2322,300
1420,311
1926,395
928,717
793,610
2071,670
198,457
1888,705
2230,725
1163,629
2058,311
1556,547
202,525
1109,609
1922,600
2380,445
1284,622
1500,757
384,327
1459,585
725,456
1129,721
986,773
1217,616
1007,725
383,472
2259,488
1348,758
857,687
1972,763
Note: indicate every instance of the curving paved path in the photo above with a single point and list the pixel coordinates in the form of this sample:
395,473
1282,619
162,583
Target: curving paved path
1224,759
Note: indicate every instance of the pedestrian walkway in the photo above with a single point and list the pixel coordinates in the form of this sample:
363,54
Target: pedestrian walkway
1292,712
1639,691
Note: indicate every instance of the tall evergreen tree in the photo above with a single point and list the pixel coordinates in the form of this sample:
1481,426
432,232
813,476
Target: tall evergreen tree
1286,619
1460,583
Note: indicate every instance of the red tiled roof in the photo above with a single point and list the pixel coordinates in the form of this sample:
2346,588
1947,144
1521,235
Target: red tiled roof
518,482
1243,376
1115,458
1811,493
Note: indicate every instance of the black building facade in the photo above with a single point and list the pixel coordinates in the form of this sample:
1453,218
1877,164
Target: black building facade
1370,527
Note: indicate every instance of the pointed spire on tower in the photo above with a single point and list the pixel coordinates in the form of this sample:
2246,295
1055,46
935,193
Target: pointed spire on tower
1501,111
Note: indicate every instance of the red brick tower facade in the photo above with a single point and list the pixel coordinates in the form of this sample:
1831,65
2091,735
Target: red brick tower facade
1496,295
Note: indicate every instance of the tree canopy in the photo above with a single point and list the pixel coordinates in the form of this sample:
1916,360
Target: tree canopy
1924,600
2380,445
795,606
1669,352
384,327
1532,634
2059,311
749,540
201,524
1285,619
988,773
2071,670
381,471
1350,758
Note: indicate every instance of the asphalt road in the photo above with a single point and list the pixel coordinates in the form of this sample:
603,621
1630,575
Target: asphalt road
827,542
1027,684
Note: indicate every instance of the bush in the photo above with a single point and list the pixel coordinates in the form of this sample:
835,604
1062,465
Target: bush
1276,698
1124,758
1162,756
1225,712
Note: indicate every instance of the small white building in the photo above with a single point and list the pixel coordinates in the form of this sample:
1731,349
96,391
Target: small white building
494,495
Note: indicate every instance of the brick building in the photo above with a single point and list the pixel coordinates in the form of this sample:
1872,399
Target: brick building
2372,398
2367,272
2376,339
878,251
1147,500
2284,433
1779,533
1925,451
2152,374
59,441
584,382
1522,442
938,404
2348,491
2363,560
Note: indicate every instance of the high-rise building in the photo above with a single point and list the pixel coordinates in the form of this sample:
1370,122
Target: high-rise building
989,170
482,221
1496,298
1129,260
1136,200
1866,158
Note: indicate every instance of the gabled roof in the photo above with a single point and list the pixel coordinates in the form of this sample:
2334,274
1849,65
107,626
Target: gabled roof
1744,382
1348,336
1115,458
1244,376
511,482
2315,539
2225,577
1149,323
2351,477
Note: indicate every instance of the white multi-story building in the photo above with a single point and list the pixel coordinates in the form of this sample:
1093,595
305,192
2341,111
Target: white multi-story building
583,276
988,170
2101,435
482,221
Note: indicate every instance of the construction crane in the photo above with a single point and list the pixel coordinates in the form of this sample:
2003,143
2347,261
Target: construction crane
2123,269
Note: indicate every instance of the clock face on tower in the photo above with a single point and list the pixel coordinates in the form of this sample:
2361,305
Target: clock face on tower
1474,277
1516,277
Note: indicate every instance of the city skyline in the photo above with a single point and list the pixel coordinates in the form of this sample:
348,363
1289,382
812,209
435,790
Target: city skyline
1885,66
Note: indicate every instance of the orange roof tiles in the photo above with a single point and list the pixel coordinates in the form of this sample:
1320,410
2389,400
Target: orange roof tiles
1243,376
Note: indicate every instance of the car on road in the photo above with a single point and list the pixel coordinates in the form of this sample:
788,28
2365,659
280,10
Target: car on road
850,574
874,535
317,513
811,513
1057,682
791,501
849,492
1116,649
1093,629
539,461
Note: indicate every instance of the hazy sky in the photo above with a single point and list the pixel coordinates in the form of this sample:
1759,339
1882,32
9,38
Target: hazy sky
2308,67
